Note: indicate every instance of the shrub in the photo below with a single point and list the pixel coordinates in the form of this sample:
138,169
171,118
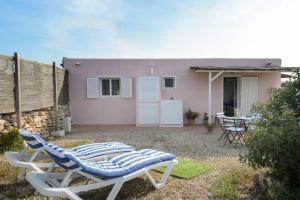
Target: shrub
191,115
275,143
11,141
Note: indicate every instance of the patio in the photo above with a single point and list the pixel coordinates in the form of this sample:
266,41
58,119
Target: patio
192,142
188,142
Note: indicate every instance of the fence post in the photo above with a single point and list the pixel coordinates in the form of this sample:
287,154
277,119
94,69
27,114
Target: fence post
17,89
55,96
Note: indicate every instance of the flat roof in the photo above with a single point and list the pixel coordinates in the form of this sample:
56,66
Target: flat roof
243,68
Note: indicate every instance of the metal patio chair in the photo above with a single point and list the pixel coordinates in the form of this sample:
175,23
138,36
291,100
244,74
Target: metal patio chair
224,123
235,132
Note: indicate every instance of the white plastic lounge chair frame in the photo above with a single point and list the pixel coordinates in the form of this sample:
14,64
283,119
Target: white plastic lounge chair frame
26,162
42,181
18,159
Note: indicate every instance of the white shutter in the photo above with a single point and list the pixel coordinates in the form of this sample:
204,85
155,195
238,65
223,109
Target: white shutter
253,90
92,90
244,95
126,87
249,93
148,89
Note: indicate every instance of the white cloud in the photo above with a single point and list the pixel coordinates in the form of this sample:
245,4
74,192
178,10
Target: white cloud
87,28
238,28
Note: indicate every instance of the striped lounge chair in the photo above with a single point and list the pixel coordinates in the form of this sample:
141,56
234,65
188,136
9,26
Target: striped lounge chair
115,171
95,151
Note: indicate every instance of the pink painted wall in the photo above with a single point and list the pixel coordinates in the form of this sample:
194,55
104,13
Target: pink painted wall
191,87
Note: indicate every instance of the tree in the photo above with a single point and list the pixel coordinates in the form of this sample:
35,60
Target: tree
275,142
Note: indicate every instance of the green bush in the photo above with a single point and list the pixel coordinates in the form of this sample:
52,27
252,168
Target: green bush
275,142
11,141
191,115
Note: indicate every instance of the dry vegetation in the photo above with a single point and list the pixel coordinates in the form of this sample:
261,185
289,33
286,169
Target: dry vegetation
209,185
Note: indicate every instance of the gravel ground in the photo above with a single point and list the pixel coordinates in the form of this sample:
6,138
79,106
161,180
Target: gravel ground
193,142
190,142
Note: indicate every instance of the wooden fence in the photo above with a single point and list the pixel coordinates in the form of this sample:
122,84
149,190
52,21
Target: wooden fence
27,85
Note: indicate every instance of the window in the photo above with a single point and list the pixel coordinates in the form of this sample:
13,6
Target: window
115,87
110,87
105,87
169,82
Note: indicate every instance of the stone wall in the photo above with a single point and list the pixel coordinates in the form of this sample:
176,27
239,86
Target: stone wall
40,121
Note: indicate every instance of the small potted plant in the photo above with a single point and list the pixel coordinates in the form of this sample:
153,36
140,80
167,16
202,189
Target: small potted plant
210,127
205,118
191,116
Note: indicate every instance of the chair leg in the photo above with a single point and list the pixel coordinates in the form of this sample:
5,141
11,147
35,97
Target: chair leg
66,179
115,190
22,172
223,134
226,138
35,154
164,177
239,139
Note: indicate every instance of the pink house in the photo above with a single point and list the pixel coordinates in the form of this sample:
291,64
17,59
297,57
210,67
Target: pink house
159,91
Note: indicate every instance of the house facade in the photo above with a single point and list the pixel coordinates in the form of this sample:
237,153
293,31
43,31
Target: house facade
149,91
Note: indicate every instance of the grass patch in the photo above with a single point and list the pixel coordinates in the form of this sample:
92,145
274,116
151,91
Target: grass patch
186,169
234,184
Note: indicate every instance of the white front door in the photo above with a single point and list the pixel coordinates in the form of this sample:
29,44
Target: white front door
249,93
148,100
148,89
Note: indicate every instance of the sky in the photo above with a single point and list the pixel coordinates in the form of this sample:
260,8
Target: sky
49,30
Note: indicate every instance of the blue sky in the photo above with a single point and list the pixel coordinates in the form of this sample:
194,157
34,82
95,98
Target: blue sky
49,30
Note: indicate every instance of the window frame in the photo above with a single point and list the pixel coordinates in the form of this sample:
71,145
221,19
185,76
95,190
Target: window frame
164,83
110,78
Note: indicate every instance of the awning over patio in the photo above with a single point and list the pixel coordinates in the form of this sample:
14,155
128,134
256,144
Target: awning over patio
289,76
244,69
214,72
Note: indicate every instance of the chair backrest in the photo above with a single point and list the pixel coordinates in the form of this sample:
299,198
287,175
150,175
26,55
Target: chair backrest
58,154
220,114
219,117
32,140
229,121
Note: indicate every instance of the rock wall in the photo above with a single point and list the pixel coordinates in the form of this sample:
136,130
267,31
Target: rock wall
40,121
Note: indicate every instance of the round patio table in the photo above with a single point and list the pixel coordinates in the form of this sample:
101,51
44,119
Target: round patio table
245,120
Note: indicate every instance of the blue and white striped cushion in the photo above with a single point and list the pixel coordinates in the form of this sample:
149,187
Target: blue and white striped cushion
58,155
121,165
99,149
32,140
84,152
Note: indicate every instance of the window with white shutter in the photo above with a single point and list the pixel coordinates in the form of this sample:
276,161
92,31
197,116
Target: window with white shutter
109,86
126,87
92,88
